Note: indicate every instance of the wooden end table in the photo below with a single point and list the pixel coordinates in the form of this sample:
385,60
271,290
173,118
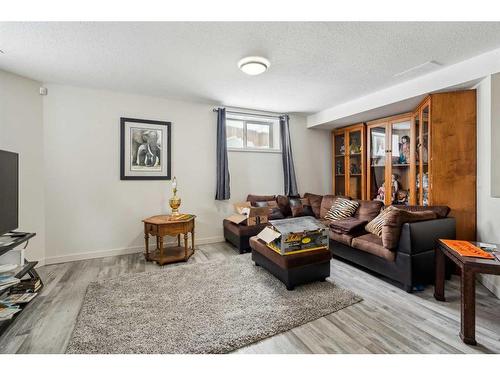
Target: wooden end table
469,267
167,225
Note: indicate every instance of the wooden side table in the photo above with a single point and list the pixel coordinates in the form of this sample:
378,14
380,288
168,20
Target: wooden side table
166,225
469,267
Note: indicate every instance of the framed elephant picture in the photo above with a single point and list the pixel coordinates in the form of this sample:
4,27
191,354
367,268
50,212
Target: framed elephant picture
144,149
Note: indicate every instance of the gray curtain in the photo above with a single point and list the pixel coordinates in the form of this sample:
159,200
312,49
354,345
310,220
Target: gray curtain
222,191
286,150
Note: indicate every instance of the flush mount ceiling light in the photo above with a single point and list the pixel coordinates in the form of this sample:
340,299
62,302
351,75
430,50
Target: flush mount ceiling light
253,65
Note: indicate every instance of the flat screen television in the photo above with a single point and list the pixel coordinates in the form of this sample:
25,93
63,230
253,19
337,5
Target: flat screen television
9,191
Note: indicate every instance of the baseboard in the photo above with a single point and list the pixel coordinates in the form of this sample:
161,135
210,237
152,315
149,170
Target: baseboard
114,252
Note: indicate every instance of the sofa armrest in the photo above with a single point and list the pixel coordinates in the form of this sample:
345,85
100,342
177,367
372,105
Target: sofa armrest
422,236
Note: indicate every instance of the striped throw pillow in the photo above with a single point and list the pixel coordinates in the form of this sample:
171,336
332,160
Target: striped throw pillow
342,208
375,226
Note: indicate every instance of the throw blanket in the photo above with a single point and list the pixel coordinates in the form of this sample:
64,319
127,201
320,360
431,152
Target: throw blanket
347,225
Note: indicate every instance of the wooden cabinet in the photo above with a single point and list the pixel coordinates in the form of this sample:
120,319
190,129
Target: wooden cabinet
427,156
349,161
389,153
446,173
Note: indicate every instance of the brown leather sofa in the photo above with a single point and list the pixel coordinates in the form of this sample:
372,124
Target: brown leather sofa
410,263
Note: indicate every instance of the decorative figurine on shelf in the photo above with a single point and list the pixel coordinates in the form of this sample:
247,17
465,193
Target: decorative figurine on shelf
395,185
380,193
355,169
404,150
342,149
339,169
425,187
402,196
355,147
175,201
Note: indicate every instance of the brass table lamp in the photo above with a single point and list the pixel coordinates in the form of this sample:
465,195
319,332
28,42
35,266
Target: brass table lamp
175,201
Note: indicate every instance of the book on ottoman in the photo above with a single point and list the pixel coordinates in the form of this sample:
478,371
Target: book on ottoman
294,235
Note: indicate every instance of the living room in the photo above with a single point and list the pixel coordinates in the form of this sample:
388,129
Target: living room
246,188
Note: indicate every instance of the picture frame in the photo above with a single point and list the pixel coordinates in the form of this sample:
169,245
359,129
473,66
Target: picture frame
145,149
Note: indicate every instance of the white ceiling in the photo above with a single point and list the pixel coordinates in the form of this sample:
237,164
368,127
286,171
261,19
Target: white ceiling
313,65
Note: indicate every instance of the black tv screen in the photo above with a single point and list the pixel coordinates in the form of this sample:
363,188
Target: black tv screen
9,191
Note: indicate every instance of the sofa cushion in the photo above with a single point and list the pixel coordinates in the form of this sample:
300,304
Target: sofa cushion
341,209
315,201
368,210
260,198
274,211
348,225
440,211
343,238
391,230
372,244
292,260
375,226
284,205
301,207
243,230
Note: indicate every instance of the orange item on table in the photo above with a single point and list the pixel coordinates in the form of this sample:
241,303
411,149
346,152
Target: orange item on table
466,249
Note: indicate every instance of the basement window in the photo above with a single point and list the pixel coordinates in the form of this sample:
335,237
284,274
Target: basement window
245,133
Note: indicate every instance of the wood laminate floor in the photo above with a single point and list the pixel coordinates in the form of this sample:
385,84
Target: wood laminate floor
388,320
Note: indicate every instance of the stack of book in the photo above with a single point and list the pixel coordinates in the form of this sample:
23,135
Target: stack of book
27,286
8,311
7,281
17,299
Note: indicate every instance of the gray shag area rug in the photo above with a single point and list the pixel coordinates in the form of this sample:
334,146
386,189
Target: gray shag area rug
213,307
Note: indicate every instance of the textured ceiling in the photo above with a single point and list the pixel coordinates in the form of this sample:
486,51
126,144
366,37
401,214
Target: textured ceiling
313,65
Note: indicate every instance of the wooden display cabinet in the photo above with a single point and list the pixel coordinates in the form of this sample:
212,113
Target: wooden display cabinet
430,151
389,154
349,163
445,171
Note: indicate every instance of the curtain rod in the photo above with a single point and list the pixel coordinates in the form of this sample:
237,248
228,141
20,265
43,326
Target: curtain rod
249,114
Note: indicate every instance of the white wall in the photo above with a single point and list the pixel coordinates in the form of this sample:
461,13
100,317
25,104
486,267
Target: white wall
90,212
488,207
21,131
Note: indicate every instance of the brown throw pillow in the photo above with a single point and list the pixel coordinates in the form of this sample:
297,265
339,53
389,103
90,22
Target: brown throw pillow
315,201
274,211
301,207
284,205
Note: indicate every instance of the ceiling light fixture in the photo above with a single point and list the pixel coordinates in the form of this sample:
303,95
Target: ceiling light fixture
253,65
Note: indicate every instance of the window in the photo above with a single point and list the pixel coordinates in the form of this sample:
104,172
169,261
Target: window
245,133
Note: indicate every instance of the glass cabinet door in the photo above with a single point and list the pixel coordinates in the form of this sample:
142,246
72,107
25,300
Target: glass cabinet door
339,164
415,189
355,164
376,162
424,152
400,156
